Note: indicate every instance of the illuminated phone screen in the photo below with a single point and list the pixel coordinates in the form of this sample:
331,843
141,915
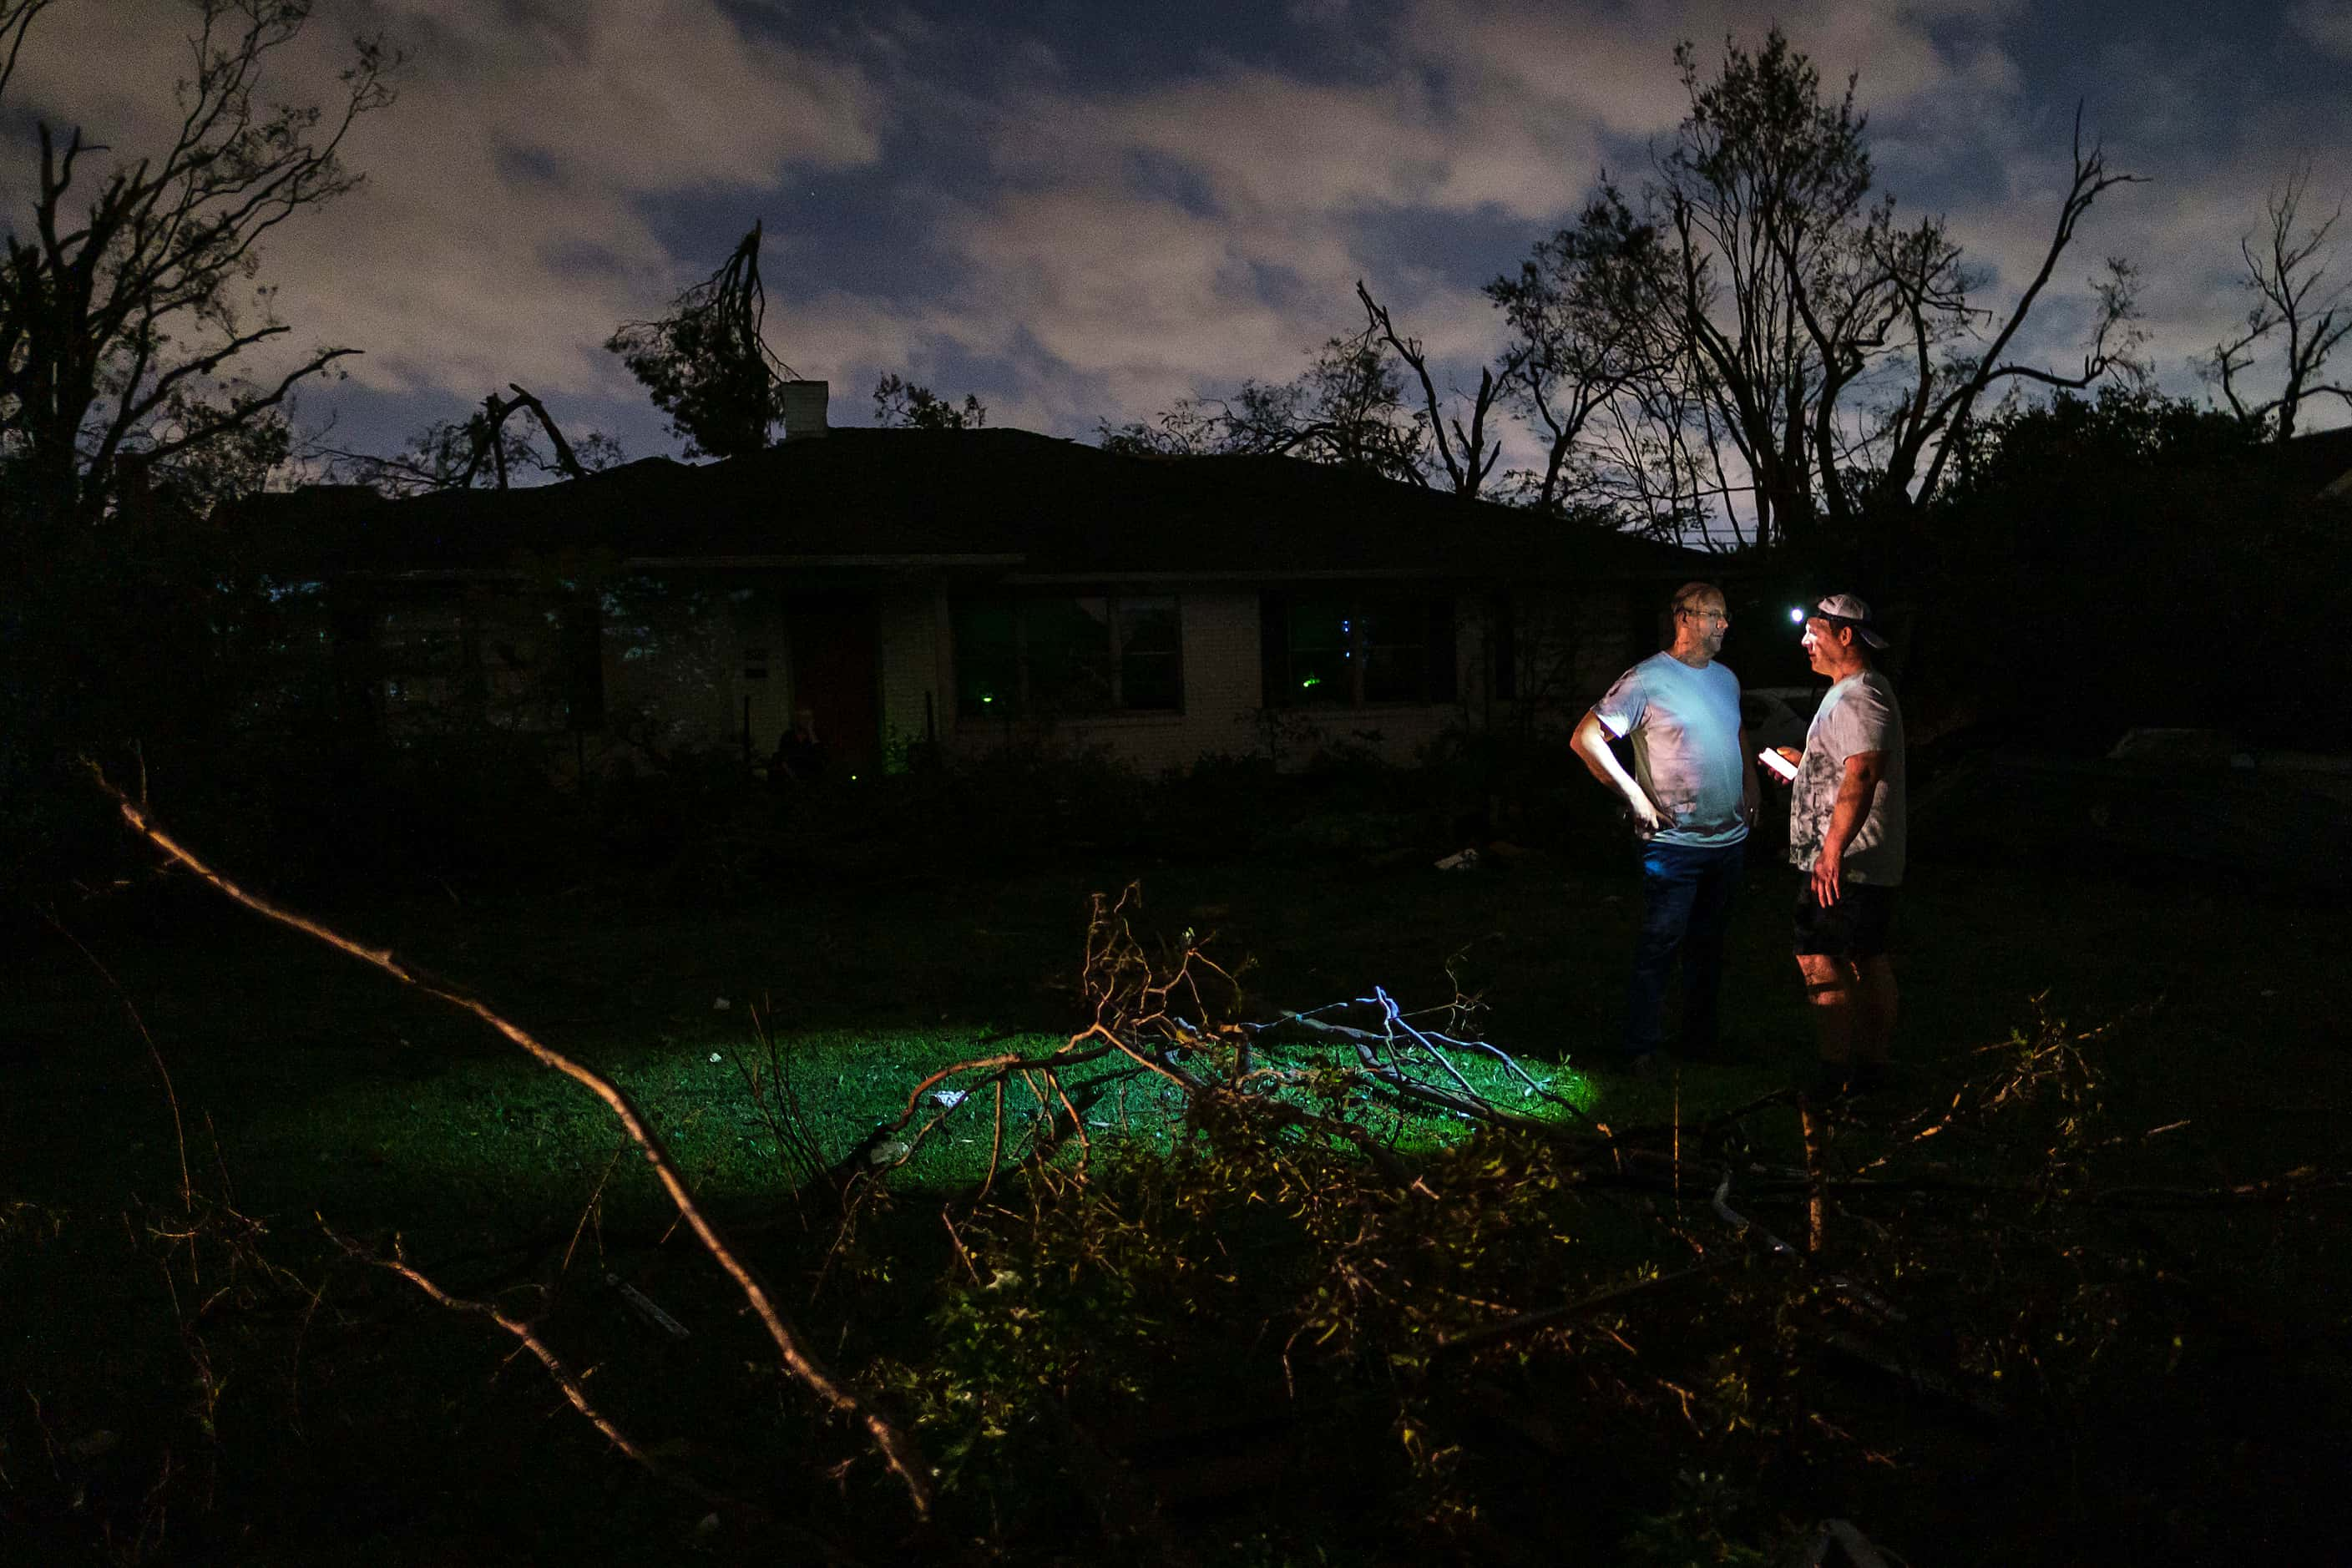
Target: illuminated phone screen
1777,762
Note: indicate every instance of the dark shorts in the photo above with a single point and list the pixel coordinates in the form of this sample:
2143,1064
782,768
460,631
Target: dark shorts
1861,924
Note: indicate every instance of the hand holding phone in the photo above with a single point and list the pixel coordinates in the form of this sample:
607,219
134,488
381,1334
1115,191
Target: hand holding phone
1771,757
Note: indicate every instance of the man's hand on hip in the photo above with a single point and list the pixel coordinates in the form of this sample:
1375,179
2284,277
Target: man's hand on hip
1649,817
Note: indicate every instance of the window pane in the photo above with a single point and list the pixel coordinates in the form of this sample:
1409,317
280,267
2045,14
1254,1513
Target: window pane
988,677
1147,626
1321,669
1152,681
1445,672
1396,644
1068,647
423,646
1318,625
1397,675
1150,666
522,670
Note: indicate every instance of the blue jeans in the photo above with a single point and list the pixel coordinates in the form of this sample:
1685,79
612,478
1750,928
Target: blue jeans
1686,907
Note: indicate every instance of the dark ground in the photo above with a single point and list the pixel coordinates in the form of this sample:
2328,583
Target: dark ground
315,1086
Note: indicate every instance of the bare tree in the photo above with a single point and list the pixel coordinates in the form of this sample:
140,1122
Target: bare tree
121,328
1466,455
1800,298
485,446
1926,286
15,21
2286,272
1761,193
1347,408
903,403
1597,364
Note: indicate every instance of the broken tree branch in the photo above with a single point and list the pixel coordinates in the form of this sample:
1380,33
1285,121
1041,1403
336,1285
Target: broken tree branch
898,1449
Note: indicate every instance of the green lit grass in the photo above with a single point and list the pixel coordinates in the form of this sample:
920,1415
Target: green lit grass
510,1131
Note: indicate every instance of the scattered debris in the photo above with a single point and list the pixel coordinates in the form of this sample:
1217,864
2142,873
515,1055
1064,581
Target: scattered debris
1839,1543
96,1446
645,1306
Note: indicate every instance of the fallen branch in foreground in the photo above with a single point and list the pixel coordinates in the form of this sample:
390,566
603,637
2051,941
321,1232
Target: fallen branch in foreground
896,1449
578,1396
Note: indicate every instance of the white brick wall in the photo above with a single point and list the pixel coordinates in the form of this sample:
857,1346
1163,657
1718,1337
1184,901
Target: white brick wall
911,639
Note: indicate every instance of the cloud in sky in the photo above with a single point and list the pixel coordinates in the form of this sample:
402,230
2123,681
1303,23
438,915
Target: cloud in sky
1082,215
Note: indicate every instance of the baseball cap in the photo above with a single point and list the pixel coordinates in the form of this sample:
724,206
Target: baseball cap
1853,612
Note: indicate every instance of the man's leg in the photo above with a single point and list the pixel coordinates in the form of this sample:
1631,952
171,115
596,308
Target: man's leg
1668,878
1710,918
1874,1011
1831,990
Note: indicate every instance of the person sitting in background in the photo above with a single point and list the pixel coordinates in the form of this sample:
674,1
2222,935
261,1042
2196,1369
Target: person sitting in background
798,758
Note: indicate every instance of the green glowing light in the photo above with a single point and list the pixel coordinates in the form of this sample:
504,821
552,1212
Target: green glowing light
987,697
1310,680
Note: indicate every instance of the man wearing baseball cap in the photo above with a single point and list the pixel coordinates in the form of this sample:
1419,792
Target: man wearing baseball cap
1847,832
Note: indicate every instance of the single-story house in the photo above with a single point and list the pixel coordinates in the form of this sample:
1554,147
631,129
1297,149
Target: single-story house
964,590
2320,461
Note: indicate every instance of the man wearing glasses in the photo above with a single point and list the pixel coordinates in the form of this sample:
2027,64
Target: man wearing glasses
1847,834
1692,794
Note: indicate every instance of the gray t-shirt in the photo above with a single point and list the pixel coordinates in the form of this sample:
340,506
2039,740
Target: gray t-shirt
1858,715
1685,726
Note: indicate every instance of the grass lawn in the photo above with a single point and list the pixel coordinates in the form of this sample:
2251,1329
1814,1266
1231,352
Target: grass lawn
317,1087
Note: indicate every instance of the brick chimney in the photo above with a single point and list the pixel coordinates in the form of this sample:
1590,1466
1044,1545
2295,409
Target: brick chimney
805,409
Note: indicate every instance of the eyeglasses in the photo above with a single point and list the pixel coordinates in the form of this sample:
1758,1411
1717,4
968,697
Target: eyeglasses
1705,616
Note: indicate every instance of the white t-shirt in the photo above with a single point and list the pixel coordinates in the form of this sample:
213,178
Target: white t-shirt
1858,715
1685,726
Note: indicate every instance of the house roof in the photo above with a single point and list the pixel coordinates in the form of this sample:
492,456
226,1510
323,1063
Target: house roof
2320,461
1034,507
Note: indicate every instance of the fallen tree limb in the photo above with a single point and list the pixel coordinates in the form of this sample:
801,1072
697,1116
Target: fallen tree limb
898,1451
562,1374
1512,1328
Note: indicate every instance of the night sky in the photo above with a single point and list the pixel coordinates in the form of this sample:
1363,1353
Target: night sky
1087,210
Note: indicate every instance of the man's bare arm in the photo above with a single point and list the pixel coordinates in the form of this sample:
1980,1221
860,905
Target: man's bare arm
1863,769
1591,744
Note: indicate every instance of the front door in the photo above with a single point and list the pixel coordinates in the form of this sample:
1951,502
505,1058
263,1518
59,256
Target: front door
835,674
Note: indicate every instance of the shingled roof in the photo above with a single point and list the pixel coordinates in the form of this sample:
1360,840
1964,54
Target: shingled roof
2319,461
1021,504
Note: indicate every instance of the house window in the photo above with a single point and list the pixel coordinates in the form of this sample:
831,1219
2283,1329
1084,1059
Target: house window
1503,649
428,659
489,658
1098,653
1346,650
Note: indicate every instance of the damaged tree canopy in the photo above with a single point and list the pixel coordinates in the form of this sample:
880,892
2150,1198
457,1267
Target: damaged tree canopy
707,364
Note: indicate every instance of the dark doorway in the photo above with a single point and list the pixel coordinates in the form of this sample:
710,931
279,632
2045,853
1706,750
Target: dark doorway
834,673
